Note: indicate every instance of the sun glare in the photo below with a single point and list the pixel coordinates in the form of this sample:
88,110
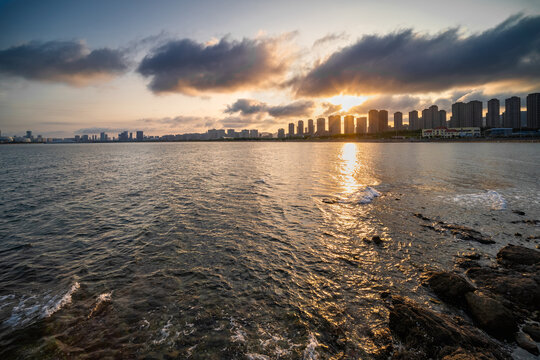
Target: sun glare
347,101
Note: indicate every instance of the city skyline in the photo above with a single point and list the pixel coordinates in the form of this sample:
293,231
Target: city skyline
85,71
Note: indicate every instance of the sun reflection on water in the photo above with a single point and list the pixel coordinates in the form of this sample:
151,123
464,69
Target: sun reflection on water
349,167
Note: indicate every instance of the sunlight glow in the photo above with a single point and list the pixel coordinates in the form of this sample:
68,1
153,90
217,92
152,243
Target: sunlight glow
347,101
349,167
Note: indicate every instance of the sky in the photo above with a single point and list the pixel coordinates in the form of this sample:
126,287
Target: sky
169,67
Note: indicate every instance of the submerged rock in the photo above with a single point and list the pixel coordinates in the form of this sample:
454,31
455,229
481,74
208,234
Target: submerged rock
450,287
533,330
426,334
491,315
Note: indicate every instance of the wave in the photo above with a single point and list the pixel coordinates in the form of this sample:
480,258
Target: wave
309,352
101,301
362,197
32,308
490,198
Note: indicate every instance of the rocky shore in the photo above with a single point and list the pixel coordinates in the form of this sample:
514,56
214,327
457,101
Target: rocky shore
497,308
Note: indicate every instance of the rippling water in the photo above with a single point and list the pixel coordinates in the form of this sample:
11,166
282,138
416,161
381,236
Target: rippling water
238,250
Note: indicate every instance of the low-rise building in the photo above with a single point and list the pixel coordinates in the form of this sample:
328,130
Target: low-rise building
443,132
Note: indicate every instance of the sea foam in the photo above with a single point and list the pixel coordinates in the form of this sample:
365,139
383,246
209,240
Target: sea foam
490,198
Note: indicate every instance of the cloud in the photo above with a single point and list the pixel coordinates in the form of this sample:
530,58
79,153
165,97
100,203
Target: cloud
247,107
67,62
408,62
392,103
330,38
330,109
191,68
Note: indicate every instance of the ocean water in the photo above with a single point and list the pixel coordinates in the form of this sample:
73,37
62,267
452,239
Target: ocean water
244,250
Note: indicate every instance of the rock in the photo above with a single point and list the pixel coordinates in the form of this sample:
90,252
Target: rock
491,315
524,341
385,294
377,240
533,330
517,256
425,334
517,234
518,287
466,233
519,212
420,216
450,287
466,263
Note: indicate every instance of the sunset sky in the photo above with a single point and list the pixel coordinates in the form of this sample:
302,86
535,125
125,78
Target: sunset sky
169,67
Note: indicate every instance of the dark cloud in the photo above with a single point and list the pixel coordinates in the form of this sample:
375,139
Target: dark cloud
392,103
408,62
61,61
188,67
330,109
247,107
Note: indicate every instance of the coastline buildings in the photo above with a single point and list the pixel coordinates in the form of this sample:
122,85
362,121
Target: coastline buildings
321,126
291,130
281,133
398,120
493,116
533,111
300,128
361,125
473,114
334,124
458,115
310,127
512,113
373,117
348,124
414,123
383,120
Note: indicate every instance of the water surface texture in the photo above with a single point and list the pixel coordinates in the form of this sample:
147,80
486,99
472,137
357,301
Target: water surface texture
238,250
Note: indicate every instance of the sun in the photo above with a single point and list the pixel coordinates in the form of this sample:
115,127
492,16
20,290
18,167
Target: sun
347,101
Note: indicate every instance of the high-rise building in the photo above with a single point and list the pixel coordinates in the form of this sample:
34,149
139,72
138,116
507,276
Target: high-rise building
281,134
425,121
291,130
473,114
131,136
321,126
349,124
533,111
433,117
28,134
254,134
413,120
244,134
103,136
310,127
361,125
139,136
373,116
123,136
442,118
512,110
231,133
300,128
398,120
334,124
458,115
493,116
383,120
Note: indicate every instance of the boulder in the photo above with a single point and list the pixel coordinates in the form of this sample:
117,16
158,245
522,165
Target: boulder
491,315
525,342
518,256
450,287
429,335
533,330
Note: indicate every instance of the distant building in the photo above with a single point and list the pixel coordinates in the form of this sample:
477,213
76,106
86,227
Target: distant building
499,132
310,127
103,136
85,138
473,114
139,136
533,111
29,134
334,124
443,132
281,133
214,134
300,128
321,126
373,116
512,113
413,120
458,115
254,134
291,130
244,134
383,120
77,138
361,125
123,136
348,122
231,133
493,116
398,120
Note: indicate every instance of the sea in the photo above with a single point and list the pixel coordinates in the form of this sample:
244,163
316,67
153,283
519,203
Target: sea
240,250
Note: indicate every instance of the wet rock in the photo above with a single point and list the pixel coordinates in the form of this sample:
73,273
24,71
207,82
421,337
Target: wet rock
517,256
491,315
525,342
528,221
466,233
385,294
518,287
517,234
519,212
471,255
533,330
420,216
450,287
466,263
425,334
